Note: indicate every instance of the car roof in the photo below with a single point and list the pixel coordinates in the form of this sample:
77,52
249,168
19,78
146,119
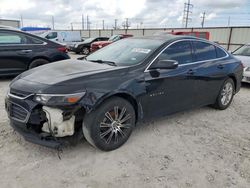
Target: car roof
168,37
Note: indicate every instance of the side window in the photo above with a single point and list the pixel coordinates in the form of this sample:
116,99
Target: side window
51,35
32,40
204,51
220,53
180,51
12,38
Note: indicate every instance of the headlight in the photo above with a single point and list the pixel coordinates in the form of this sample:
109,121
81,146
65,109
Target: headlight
100,46
76,45
58,99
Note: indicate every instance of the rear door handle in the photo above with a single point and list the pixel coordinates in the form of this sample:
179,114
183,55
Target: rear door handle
220,66
191,71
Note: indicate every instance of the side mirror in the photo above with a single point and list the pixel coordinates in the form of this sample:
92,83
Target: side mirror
165,64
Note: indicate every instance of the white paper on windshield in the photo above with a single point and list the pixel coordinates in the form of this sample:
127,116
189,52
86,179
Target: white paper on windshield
141,50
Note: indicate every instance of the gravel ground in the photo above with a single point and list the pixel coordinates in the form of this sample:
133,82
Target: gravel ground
196,148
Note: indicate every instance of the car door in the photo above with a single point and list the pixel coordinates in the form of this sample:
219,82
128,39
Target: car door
210,71
14,52
172,90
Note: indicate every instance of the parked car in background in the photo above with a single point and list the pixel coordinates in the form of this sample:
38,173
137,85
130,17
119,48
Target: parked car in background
243,54
131,80
62,36
84,47
100,44
20,51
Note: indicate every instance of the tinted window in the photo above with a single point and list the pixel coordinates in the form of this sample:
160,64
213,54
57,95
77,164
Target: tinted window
220,52
180,51
243,50
12,38
204,51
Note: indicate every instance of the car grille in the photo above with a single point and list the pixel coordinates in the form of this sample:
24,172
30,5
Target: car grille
21,94
18,113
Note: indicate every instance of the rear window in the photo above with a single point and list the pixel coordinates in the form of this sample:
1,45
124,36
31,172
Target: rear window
204,51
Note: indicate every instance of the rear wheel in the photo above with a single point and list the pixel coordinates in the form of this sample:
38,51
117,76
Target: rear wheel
110,125
37,62
85,50
226,95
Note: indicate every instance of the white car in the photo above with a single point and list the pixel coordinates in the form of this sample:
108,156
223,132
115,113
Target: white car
243,54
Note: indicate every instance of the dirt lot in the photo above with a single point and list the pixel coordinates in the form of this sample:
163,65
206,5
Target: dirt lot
197,148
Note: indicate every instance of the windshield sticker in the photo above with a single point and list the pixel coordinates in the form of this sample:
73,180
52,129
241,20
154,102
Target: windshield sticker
141,50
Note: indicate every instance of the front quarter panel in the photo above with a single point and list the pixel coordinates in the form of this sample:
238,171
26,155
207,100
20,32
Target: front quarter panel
130,83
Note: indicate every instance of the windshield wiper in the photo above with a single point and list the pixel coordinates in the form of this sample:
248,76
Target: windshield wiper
104,62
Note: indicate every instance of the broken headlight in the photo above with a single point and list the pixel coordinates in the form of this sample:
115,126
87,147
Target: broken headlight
58,99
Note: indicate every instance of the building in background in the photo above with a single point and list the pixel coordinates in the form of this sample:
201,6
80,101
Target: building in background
10,23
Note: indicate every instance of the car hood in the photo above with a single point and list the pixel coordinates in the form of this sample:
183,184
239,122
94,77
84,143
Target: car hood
244,59
101,42
60,73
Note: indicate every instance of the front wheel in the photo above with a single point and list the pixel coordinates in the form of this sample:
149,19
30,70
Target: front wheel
226,95
110,125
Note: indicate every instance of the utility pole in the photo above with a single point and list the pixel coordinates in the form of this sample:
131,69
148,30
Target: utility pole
203,19
103,25
53,23
82,22
72,26
21,18
186,12
127,23
228,22
115,24
87,22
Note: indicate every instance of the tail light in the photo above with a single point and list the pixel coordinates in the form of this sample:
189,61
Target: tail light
241,64
62,49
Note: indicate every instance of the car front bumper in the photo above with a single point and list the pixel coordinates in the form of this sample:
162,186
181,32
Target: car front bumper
27,118
32,136
246,76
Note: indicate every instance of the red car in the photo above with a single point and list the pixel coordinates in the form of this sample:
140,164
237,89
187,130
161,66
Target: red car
97,45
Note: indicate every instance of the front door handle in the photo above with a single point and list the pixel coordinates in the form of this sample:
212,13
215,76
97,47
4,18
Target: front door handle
26,51
220,66
190,71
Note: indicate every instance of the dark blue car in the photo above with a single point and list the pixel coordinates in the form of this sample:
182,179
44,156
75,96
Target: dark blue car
20,51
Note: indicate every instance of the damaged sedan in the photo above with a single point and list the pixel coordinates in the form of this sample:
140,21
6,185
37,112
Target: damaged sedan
103,96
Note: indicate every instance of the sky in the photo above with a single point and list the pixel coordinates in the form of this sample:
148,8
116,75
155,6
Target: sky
140,13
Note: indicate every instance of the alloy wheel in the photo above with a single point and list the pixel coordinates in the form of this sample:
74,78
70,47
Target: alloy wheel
115,125
227,94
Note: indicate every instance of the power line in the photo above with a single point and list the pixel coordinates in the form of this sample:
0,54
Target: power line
186,12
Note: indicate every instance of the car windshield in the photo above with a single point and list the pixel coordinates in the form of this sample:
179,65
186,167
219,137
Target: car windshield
114,38
244,50
126,52
89,40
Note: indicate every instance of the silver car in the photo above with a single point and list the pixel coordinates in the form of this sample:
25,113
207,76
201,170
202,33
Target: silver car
243,54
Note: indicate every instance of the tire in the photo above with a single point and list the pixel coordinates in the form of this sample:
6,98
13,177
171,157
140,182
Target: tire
110,125
225,95
37,63
85,50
